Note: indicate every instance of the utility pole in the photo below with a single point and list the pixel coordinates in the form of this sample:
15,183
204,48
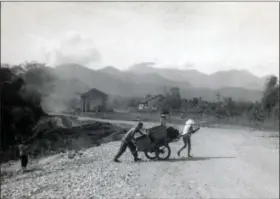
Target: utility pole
218,104
218,95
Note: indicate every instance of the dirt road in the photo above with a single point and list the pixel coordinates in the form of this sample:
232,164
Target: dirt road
226,164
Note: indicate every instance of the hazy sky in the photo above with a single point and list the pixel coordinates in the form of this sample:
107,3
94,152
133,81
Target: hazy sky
205,36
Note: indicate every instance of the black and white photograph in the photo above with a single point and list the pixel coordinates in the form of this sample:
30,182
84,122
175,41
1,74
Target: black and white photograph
142,100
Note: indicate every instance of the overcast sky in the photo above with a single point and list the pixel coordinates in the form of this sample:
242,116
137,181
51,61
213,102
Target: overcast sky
204,36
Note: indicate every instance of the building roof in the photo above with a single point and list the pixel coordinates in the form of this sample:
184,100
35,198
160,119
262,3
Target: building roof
152,98
165,112
94,92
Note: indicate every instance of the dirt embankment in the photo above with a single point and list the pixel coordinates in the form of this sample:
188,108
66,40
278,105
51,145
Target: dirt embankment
67,133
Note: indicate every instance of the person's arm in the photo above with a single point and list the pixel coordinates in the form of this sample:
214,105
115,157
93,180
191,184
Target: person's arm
141,132
133,137
194,130
133,134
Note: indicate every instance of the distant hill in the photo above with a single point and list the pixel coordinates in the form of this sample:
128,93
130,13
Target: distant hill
140,80
236,78
114,82
191,76
148,77
230,78
111,70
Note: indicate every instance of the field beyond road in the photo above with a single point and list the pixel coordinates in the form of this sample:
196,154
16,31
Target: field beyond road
227,164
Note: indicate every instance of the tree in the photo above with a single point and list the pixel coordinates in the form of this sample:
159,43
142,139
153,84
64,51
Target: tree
270,97
40,76
174,98
195,102
229,106
19,109
6,74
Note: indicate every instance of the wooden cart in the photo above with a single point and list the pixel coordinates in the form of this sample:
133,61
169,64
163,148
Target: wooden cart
155,144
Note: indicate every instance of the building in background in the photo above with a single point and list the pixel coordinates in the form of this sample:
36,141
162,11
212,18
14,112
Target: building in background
151,103
93,101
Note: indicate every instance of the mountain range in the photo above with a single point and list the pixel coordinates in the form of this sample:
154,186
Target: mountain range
217,80
142,79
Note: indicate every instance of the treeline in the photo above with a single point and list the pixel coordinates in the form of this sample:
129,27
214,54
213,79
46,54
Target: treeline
267,108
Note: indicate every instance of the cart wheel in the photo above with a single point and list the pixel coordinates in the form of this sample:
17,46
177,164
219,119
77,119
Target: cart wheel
151,155
164,152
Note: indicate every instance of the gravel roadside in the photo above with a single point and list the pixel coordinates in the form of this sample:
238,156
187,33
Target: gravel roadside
227,164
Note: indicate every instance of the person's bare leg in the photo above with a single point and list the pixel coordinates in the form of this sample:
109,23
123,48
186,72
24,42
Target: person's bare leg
121,151
183,147
133,151
189,147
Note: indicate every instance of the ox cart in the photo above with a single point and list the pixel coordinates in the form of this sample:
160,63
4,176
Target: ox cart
155,144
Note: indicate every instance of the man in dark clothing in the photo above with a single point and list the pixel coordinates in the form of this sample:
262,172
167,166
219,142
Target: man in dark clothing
128,141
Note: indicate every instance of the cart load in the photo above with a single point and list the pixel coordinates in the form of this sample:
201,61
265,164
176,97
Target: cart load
172,133
155,135
158,133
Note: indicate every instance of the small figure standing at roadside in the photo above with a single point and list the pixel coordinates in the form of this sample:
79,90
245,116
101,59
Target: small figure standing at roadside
186,136
23,156
182,115
163,120
128,141
165,114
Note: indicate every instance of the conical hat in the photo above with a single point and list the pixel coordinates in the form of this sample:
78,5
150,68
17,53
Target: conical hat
190,122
